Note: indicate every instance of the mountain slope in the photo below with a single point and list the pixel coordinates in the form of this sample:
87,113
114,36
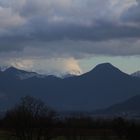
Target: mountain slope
101,87
129,107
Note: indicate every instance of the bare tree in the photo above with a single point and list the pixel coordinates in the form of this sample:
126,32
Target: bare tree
31,119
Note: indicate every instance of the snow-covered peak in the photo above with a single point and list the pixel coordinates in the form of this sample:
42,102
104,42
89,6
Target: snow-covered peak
21,74
136,74
75,72
24,76
3,68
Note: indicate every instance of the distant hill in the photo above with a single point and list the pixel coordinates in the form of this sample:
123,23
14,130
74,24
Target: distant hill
129,108
99,88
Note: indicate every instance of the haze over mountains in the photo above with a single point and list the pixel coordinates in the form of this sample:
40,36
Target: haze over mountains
101,87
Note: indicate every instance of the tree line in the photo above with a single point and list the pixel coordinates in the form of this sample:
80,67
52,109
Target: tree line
32,119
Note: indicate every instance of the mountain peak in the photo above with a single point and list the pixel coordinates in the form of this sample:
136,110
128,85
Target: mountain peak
105,71
105,68
13,70
21,74
104,65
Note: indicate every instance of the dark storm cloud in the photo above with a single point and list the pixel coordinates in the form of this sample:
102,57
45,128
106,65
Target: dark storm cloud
37,23
43,32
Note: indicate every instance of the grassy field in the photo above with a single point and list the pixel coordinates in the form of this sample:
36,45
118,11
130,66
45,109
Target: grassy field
5,135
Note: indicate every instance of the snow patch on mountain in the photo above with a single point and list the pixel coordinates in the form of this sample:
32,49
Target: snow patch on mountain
136,74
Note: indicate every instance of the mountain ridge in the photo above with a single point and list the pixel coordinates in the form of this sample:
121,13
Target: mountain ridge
21,74
101,87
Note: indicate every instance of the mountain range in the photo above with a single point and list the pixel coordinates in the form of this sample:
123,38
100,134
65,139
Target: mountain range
103,86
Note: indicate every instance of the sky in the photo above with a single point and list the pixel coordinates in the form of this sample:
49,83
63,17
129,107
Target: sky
69,36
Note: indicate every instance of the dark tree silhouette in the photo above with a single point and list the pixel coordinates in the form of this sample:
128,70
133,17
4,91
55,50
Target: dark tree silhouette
120,126
31,119
133,131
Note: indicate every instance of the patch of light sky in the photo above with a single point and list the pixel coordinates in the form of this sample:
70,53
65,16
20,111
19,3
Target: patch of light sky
128,64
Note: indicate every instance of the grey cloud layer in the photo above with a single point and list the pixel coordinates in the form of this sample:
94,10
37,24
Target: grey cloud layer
97,24
132,14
